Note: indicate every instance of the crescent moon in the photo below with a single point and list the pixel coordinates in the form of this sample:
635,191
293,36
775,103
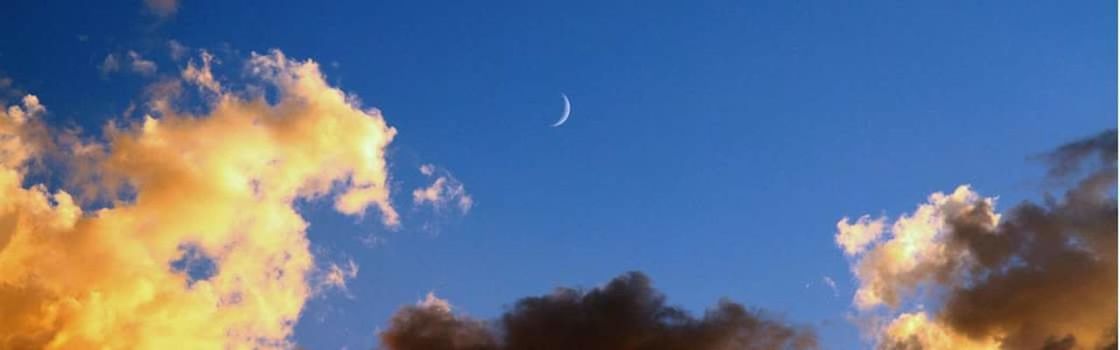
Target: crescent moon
567,111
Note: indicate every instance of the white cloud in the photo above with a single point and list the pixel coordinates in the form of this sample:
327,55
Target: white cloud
444,190
831,284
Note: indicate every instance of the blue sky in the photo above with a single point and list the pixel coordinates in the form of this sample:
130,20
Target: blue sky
712,144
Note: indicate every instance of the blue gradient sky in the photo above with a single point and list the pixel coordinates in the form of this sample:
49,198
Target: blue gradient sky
712,144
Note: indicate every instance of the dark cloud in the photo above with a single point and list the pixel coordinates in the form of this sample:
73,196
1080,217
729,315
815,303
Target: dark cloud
428,327
1047,270
1070,157
625,314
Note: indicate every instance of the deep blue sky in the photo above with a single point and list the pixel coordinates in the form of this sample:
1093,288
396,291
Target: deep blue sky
712,144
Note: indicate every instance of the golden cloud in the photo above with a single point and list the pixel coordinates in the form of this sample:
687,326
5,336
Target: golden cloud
1042,276
219,186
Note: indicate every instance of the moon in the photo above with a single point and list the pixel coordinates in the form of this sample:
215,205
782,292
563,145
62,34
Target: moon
567,111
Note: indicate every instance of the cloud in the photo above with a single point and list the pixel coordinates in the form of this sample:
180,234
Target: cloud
177,50
162,8
915,251
1042,275
445,189
915,331
831,285
22,139
5,84
111,64
854,237
201,75
216,187
335,276
136,63
431,301
627,313
372,240
431,325
140,65
8,89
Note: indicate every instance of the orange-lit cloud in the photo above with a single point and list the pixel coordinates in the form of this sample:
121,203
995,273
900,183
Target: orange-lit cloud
199,75
915,252
916,331
215,188
1041,276
854,237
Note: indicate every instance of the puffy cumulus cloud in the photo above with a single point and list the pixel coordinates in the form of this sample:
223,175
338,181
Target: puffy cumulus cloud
214,188
431,325
1041,276
627,313
445,189
915,250
431,301
854,237
915,331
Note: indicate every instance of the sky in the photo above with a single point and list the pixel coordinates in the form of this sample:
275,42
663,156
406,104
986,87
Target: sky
711,145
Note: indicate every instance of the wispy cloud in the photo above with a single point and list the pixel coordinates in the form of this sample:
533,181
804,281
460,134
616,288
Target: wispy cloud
8,89
830,284
140,65
335,276
444,189
162,8
110,64
177,50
